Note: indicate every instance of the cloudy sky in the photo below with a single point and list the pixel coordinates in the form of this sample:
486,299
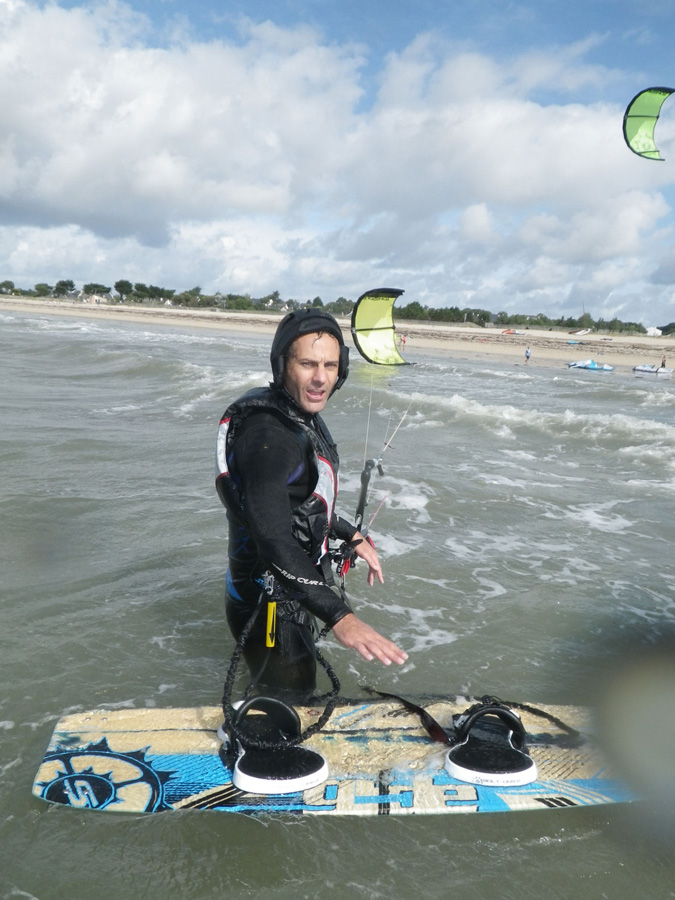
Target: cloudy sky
468,152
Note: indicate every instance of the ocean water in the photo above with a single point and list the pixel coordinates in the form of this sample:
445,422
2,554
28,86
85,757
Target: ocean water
525,521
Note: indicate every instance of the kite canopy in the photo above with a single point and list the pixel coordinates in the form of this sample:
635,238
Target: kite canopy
640,120
373,327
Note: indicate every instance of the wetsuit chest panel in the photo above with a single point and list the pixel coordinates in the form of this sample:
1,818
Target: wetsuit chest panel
273,460
264,418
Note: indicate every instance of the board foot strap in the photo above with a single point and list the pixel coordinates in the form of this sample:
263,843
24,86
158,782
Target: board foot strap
487,742
268,760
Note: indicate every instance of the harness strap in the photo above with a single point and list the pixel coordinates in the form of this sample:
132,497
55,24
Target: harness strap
435,731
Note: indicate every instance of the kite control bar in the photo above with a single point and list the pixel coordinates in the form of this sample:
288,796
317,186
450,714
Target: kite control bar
366,475
346,557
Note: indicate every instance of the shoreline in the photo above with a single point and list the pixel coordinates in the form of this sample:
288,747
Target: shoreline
549,349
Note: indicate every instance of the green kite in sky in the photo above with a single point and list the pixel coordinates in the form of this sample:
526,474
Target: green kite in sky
640,120
373,327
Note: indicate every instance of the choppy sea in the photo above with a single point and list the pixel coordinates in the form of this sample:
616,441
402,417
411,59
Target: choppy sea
526,523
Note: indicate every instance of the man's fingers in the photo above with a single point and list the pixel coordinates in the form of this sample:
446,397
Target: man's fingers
357,635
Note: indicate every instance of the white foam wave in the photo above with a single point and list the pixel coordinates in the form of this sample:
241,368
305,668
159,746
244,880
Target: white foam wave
509,375
479,546
214,385
224,380
460,550
503,419
134,333
572,572
67,325
186,409
489,589
396,494
425,633
502,481
388,545
442,583
621,426
409,497
650,453
426,423
424,641
121,704
519,454
598,518
117,410
659,400
12,764
657,486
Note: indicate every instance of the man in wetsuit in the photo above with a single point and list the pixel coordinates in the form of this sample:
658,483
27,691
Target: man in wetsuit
277,477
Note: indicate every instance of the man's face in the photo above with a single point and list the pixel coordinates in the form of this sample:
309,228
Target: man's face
311,370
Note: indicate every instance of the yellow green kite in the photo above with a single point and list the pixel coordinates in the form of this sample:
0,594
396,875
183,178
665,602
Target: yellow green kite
373,327
640,120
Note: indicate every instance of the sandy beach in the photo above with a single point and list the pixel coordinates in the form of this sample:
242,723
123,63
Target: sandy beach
547,348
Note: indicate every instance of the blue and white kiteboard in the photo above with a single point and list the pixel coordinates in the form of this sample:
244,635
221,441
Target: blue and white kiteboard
381,762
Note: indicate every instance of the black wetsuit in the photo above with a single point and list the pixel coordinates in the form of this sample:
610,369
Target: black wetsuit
274,466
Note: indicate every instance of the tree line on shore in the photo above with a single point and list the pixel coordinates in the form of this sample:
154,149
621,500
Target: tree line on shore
124,291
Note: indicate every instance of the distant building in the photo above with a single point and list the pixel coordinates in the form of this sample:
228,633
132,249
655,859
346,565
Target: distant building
654,332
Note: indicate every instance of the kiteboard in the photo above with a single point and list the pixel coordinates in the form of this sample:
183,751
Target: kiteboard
381,761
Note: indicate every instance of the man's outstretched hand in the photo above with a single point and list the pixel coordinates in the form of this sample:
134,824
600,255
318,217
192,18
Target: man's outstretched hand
355,634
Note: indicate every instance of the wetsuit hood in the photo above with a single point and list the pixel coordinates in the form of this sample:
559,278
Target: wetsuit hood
298,323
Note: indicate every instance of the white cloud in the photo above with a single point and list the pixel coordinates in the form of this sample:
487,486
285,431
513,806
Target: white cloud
609,230
476,224
253,165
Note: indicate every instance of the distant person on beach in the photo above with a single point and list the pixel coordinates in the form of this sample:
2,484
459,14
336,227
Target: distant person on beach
277,477
663,363
527,356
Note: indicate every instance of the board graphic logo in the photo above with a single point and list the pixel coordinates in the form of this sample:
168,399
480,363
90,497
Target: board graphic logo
96,777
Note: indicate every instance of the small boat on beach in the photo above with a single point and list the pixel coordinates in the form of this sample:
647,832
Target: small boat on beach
652,370
590,364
